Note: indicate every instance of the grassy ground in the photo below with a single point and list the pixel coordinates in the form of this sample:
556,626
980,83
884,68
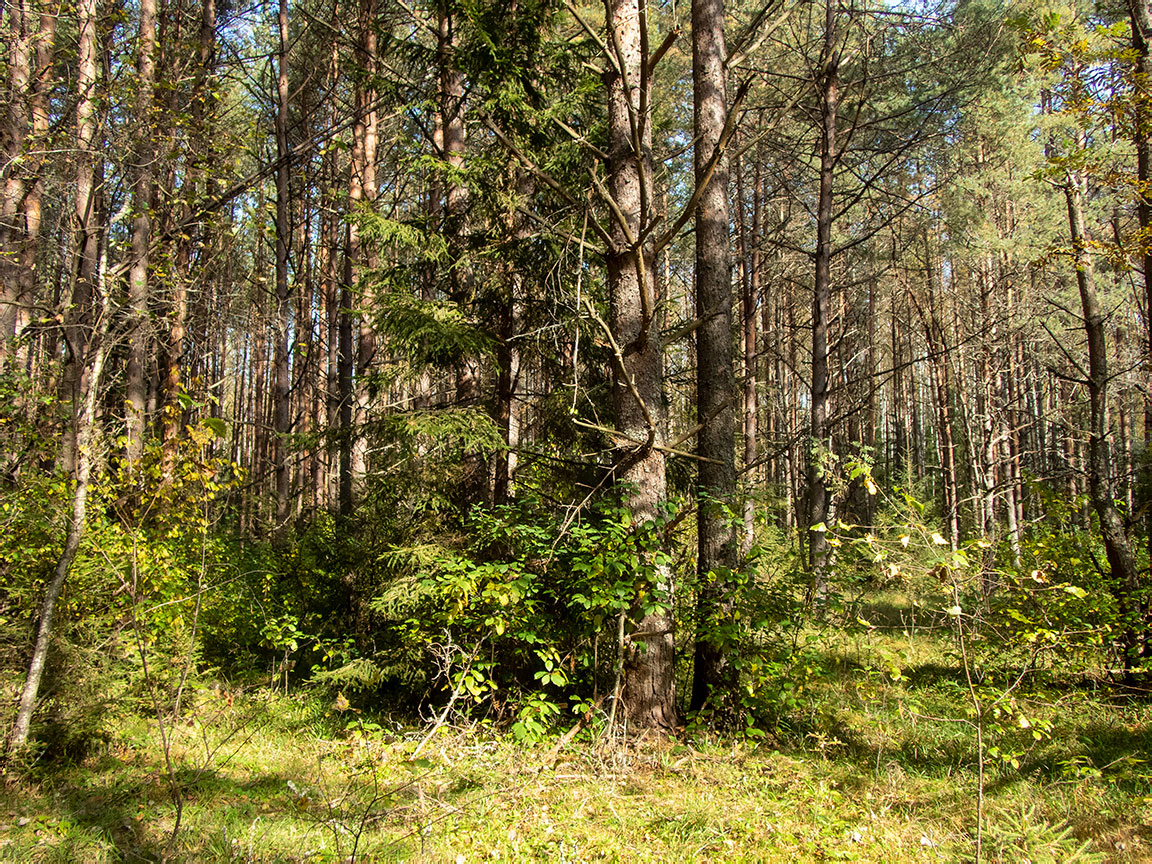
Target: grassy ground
877,761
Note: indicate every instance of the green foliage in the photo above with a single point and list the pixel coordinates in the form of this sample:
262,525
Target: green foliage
1013,836
530,608
429,332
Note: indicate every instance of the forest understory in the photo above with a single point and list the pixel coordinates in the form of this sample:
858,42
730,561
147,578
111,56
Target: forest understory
875,760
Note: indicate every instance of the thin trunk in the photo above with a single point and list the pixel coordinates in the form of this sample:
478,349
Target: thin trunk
86,437
198,175
818,500
1125,574
22,28
1141,19
508,383
77,313
143,187
344,364
750,295
281,412
362,193
24,138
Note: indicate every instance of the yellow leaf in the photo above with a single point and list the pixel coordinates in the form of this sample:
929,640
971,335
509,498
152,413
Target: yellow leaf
938,539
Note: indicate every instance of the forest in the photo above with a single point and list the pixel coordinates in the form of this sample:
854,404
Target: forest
550,430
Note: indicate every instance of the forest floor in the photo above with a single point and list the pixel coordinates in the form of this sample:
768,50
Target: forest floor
878,762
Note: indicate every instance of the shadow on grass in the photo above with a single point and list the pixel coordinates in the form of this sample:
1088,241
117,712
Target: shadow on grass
123,811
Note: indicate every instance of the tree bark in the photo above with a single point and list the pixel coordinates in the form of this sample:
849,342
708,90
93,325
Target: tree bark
281,411
1121,562
818,500
362,193
1140,16
143,189
714,677
15,134
637,391
86,433
24,137
508,384
77,312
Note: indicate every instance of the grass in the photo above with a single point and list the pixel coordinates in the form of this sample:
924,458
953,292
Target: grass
875,760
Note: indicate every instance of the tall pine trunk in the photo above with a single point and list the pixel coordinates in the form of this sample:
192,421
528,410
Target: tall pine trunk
713,672
143,189
281,410
819,504
638,386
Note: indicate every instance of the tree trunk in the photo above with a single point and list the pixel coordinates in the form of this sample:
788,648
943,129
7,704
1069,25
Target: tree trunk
1141,22
143,188
508,355
86,435
1125,578
362,193
15,133
818,501
637,392
22,145
714,675
281,411
77,313
750,293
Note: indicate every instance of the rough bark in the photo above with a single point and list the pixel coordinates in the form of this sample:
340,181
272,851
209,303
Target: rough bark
143,190
24,137
281,410
714,676
15,130
197,182
361,193
77,312
637,391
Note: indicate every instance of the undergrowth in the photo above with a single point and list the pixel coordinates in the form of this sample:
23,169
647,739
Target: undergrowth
873,760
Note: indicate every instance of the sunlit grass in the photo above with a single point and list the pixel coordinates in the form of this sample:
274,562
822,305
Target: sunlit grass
879,763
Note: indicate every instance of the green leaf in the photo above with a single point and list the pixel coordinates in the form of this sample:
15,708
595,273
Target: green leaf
218,427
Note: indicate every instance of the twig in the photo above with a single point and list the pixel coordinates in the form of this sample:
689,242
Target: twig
451,701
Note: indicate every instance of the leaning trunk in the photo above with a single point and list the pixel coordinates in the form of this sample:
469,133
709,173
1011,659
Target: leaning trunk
1125,580
86,428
